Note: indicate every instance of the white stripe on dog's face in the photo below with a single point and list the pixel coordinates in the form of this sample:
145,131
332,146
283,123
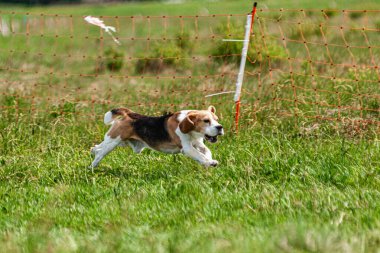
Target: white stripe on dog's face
183,114
214,128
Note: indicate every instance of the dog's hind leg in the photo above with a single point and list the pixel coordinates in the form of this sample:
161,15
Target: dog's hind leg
122,144
101,150
136,145
96,148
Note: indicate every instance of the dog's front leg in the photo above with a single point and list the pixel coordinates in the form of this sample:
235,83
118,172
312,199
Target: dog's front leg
193,153
189,150
199,145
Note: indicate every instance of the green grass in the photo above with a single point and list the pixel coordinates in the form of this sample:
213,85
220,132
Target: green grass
284,183
271,192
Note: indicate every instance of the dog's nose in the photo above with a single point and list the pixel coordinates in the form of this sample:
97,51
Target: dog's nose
220,127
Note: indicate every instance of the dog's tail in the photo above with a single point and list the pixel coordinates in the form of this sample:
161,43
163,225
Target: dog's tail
110,116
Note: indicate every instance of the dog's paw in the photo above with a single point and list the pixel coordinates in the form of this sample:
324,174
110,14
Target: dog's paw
214,163
92,166
211,163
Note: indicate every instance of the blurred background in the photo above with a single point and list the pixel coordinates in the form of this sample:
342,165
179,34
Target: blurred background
303,64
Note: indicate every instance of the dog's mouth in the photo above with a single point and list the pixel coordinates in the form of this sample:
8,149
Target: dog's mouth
211,139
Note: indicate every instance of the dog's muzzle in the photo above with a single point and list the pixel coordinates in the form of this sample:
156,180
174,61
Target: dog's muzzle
214,139
211,139
220,129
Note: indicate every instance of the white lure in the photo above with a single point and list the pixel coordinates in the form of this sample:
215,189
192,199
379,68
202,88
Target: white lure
100,23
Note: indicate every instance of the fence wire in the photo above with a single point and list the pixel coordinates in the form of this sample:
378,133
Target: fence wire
309,65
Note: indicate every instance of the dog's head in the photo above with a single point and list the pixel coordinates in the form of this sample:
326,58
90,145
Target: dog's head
204,122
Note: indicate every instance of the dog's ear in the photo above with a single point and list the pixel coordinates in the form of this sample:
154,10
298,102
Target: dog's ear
212,109
187,125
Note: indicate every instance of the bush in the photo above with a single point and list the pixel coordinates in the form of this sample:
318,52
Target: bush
377,25
356,15
113,59
230,52
168,55
330,13
271,50
306,29
184,42
63,110
226,51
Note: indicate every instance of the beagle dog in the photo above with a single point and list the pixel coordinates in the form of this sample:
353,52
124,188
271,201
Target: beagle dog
183,131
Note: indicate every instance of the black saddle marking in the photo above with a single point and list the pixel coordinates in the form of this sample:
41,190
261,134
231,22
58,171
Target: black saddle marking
152,130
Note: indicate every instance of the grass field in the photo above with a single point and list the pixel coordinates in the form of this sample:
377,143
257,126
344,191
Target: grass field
271,193
284,184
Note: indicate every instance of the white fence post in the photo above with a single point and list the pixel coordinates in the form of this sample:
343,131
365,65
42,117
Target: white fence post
239,81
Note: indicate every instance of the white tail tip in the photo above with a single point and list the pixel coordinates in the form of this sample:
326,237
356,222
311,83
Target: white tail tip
108,120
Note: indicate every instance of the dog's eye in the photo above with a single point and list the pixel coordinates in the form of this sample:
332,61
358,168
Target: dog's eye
206,121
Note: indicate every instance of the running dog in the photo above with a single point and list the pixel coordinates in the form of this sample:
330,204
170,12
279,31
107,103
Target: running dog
172,133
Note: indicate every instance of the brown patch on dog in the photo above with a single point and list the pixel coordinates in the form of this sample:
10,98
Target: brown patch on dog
122,128
123,125
187,124
172,126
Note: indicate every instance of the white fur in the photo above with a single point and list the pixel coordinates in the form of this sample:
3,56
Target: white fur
101,150
190,147
183,115
108,118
